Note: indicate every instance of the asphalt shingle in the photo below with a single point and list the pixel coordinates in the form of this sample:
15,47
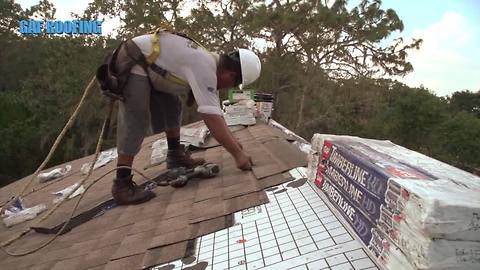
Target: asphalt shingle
140,236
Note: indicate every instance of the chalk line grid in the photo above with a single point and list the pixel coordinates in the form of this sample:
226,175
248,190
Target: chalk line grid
296,230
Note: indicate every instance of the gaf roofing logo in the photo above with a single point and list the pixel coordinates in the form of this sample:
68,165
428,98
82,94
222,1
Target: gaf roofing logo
33,27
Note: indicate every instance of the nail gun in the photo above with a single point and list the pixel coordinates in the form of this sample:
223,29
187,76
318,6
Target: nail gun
181,175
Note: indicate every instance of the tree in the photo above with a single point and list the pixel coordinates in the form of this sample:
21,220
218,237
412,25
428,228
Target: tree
42,78
466,101
458,141
342,43
411,117
10,13
137,17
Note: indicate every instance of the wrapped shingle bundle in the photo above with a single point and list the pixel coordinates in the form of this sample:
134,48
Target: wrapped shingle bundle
159,151
427,209
239,113
194,134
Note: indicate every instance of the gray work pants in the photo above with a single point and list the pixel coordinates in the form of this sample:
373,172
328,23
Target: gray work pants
141,108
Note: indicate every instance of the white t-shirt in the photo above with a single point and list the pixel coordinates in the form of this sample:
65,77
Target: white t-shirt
189,62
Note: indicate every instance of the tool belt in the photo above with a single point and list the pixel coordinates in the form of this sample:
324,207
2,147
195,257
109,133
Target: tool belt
113,74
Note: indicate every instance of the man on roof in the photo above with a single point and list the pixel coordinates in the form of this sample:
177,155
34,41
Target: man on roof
151,91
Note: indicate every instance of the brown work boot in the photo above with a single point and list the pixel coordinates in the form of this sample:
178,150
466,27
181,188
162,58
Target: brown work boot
125,191
181,157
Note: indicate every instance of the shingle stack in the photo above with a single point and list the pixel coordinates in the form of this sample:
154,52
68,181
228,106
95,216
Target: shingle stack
412,211
239,113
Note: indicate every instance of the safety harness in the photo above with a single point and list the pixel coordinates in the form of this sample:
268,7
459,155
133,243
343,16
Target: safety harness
156,53
112,78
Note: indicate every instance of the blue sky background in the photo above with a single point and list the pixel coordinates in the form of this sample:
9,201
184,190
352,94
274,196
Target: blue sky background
448,61
423,13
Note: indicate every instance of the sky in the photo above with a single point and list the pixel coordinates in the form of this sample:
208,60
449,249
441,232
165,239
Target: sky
448,60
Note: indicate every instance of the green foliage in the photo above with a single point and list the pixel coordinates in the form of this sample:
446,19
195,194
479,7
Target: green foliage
37,103
410,117
458,140
466,101
42,81
10,13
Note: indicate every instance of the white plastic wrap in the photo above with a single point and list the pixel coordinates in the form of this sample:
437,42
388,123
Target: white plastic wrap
195,135
312,165
18,213
159,151
442,209
427,210
427,253
240,120
67,192
54,174
240,113
103,159
387,254
448,207
304,147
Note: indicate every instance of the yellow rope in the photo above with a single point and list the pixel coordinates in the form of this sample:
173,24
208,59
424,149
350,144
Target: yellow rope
57,141
56,206
155,49
49,156
59,138
6,243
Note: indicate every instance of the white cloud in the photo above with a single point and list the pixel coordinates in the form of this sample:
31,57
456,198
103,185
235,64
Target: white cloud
65,8
448,58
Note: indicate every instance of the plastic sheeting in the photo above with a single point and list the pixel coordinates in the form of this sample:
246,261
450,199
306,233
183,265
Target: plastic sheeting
159,151
103,159
17,212
54,174
70,192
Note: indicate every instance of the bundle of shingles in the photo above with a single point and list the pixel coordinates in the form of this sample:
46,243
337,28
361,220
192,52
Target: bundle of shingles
239,113
412,211
195,134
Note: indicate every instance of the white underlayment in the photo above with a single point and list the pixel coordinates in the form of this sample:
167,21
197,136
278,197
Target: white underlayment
296,230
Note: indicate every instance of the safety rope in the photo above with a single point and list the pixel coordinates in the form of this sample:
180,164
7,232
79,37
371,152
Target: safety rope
69,123
6,243
57,205
59,138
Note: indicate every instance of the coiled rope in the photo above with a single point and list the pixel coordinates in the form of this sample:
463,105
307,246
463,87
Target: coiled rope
59,138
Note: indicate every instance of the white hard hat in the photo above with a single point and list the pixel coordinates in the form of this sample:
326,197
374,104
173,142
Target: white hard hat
250,66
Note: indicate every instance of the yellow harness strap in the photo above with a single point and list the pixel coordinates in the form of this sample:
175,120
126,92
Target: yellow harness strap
156,49
156,53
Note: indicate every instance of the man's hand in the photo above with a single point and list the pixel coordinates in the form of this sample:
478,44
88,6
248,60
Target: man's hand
217,126
243,161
